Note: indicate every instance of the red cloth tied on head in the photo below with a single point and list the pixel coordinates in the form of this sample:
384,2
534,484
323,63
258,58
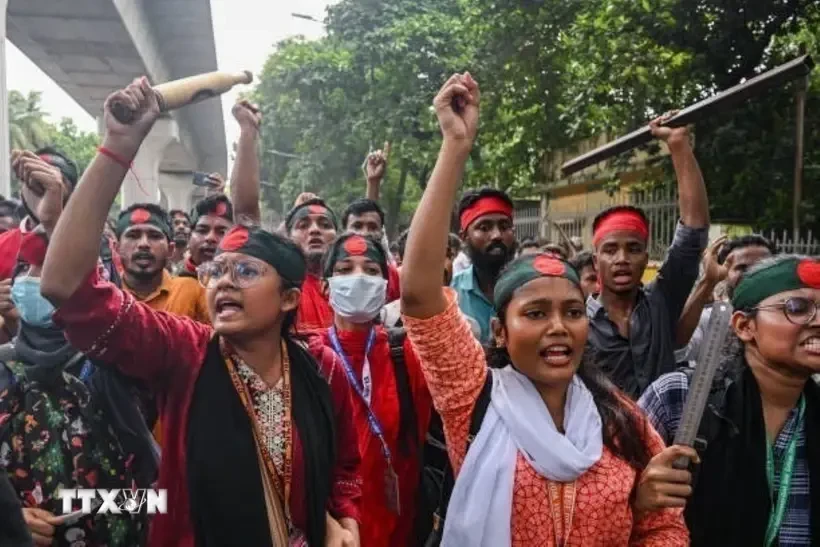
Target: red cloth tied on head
621,221
489,205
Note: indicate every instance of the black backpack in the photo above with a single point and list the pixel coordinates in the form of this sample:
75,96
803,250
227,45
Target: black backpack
437,477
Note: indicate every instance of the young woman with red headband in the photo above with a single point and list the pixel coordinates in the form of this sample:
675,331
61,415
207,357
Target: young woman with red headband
259,445
557,454
391,403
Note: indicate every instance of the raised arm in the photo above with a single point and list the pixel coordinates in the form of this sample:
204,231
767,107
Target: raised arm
245,175
692,199
713,273
375,169
457,110
75,245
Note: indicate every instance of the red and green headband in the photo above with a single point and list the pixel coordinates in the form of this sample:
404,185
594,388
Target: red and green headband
139,216
308,209
780,276
356,245
219,208
280,253
621,221
488,205
526,269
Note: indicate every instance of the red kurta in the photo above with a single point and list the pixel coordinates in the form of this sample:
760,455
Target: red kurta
380,527
168,352
314,312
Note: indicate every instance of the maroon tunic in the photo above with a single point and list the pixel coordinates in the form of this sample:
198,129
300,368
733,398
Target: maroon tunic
168,352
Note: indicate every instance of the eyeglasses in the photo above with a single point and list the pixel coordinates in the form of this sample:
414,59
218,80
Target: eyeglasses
244,273
797,309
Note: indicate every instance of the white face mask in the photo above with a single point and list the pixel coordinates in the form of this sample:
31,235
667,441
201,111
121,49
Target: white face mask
358,298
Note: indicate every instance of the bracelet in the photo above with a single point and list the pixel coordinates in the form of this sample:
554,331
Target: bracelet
116,157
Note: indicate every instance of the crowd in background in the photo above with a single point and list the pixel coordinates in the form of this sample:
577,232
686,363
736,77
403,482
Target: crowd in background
319,385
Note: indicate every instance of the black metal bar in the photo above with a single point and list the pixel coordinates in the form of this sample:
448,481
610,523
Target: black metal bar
698,111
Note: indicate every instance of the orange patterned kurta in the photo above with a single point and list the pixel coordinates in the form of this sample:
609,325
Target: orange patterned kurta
455,368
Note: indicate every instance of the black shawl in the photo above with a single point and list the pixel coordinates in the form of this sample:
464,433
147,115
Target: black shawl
224,480
730,504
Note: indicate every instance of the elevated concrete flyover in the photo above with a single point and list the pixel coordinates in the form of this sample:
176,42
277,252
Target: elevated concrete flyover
93,47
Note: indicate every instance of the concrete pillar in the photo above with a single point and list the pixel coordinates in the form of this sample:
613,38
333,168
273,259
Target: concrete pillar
5,162
144,187
178,188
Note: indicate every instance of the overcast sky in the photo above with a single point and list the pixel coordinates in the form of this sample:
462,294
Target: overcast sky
245,31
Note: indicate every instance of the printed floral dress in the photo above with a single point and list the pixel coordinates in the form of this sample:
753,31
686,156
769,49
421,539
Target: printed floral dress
52,437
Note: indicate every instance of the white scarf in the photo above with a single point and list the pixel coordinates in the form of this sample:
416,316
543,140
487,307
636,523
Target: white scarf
517,420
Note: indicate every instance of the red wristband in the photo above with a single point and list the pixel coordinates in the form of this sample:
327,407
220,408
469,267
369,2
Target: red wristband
116,157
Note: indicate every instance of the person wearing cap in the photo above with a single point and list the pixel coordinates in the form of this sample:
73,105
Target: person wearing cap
144,244
37,171
760,467
558,450
260,448
486,219
633,327
391,403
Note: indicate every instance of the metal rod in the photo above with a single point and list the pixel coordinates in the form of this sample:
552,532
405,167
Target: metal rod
725,99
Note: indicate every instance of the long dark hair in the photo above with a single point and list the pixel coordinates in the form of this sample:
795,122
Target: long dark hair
624,426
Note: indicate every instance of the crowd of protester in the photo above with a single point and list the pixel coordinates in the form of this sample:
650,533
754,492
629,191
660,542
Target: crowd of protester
319,385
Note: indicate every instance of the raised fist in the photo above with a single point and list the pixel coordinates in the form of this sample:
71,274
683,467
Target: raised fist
377,163
142,102
247,114
457,109
45,182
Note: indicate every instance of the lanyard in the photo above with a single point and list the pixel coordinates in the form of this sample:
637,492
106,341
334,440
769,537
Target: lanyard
365,388
779,510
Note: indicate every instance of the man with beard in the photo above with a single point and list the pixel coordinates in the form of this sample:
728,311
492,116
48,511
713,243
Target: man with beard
632,328
181,226
212,217
144,240
486,218
312,225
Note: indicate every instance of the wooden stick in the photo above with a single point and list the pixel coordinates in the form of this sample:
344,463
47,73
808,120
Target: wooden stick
698,111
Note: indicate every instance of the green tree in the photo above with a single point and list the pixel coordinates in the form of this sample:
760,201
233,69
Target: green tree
28,128
80,146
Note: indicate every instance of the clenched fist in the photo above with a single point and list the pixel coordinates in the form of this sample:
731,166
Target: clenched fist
143,103
247,114
457,109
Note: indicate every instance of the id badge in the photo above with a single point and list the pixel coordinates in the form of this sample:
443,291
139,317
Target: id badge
391,490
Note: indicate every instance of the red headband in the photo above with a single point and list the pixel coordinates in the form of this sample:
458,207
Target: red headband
485,206
621,221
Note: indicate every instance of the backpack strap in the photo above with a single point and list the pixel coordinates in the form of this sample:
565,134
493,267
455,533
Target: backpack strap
479,411
408,419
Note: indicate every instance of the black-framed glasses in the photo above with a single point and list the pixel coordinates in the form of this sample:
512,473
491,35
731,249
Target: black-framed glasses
799,310
244,273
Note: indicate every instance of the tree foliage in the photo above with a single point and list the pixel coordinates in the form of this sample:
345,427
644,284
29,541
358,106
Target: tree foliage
552,72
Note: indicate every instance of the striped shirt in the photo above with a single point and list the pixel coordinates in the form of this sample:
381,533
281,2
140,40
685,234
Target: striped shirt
664,403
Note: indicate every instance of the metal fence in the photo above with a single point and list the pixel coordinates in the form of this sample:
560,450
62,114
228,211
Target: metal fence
660,206
786,243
